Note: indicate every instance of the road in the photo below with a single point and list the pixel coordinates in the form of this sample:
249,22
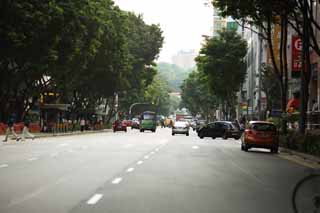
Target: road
146,172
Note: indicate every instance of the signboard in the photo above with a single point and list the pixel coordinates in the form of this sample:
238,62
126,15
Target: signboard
296,45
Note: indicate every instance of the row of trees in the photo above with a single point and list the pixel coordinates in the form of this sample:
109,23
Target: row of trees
221,70
85,51
300,15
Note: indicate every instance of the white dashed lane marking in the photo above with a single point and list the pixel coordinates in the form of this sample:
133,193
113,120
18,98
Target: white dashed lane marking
152,153
146,157
130,170
94,199
54,155
117,181
195,147
3,166
63,144
140,162
33,159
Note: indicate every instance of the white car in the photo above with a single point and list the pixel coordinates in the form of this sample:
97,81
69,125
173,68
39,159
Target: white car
180,127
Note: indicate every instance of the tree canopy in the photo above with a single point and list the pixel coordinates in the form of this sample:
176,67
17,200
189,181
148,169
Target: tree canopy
85,51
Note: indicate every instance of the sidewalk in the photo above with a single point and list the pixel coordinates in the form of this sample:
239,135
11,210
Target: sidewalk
301,158
46,135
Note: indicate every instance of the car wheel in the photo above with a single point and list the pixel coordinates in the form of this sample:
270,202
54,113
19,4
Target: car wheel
187,134
245,147
224,136
201,135
141,130
213,138
274,150
172,134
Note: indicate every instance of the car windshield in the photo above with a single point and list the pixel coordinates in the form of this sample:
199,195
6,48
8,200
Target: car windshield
263,127
180,124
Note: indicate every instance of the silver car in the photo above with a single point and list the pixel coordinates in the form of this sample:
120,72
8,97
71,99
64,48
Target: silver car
180,127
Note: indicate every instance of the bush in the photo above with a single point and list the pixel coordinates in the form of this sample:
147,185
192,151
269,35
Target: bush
308,143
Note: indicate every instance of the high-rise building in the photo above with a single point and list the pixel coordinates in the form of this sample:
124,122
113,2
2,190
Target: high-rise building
185,59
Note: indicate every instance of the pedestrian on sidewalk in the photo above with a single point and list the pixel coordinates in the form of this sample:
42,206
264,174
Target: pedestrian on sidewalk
82,124
25,131
10,130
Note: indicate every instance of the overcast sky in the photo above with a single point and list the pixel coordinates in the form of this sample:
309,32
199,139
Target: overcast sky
183,22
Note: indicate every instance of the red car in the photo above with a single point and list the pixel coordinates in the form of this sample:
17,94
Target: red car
119,125
260,134
128,122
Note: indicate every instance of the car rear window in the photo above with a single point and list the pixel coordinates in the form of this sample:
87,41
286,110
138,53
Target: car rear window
264,127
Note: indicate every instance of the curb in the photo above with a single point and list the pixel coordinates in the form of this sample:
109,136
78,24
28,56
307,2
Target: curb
50,135
308,157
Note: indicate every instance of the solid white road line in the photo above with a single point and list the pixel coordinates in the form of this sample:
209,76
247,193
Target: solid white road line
146,157
140,162
33,159
195,147
94,199
3,166
130,170
117,181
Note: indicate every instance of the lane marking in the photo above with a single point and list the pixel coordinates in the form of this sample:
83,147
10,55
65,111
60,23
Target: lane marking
128,146
3,166
157,150
94,199
64,144
140,162
164,141
117,180
146,157
152,153
54,155
33,159
195,147
130,170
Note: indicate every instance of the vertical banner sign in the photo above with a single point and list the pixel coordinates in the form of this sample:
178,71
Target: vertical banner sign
296,56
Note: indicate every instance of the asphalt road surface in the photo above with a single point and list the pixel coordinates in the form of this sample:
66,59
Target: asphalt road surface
146,172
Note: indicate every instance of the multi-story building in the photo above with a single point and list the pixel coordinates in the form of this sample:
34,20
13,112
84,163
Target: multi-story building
185,59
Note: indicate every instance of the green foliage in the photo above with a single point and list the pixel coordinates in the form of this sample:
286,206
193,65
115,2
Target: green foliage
221,60
173,74
158,93
270,86
196,95
84,50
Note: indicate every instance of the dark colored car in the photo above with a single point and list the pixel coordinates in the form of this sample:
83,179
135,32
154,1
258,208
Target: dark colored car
119,125
224,129
260,134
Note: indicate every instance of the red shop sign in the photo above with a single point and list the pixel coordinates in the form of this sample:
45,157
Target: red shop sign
296,53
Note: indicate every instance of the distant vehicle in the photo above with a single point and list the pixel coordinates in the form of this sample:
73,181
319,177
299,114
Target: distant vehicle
128,122
180,127
135,123
148,121
260,134
224,129
119,125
